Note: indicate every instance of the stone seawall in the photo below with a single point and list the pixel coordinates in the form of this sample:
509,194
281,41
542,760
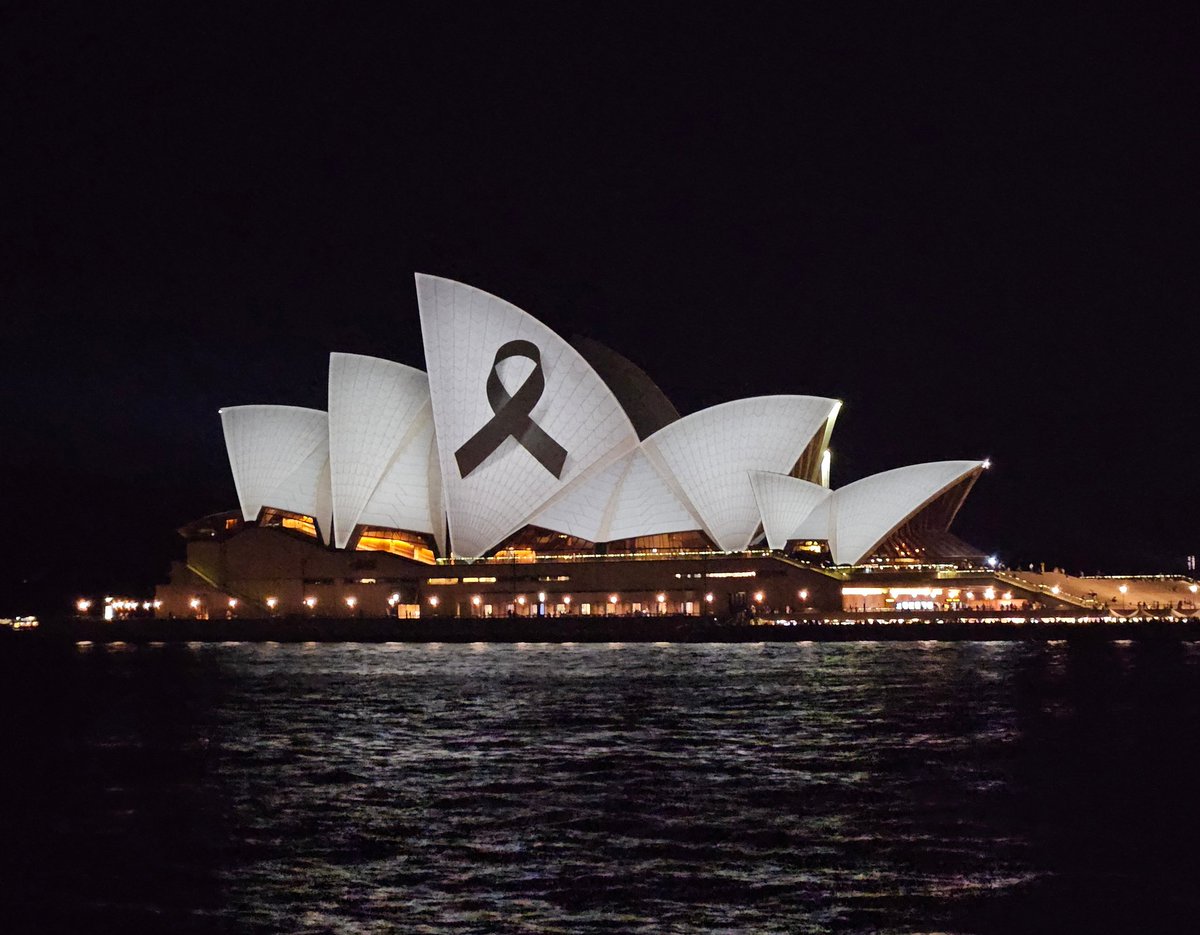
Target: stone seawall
597,630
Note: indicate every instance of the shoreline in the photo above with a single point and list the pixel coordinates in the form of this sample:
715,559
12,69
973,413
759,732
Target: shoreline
604,630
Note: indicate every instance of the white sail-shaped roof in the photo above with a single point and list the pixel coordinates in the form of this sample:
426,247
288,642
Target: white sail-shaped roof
624,500
866,512
582,508
463,330
375,408
279,456
785,503
645,504
708,455
409,495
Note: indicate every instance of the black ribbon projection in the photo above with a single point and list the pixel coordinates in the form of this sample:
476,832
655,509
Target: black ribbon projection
512,417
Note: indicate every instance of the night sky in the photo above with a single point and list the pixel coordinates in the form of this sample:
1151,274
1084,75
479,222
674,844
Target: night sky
975,227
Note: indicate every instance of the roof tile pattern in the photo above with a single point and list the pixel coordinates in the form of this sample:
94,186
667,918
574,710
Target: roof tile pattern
710,454
784,503
280,458
866,512
626,499
462,328
374,406
409,495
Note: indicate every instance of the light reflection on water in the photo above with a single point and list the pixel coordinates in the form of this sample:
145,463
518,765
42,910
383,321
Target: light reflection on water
632,787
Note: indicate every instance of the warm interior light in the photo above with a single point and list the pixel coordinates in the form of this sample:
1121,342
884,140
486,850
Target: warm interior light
401,547
541,597
300,524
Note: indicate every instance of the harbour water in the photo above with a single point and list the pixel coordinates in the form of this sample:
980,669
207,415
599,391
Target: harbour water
777,787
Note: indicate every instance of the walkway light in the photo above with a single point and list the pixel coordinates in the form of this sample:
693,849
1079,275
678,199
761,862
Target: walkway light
82,605
709,597
661,598
521,599
1124,589
310,602
567,599
476,600
758,597
351,601
433,601
272,602
612,598
194,603
233,602
541,597
803,594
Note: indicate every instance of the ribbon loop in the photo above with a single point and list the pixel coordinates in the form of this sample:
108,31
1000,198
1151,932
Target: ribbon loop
511,416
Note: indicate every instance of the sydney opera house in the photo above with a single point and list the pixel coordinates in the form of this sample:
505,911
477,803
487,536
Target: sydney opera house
521,474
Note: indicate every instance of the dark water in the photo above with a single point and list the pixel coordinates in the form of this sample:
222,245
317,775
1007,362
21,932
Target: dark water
865,787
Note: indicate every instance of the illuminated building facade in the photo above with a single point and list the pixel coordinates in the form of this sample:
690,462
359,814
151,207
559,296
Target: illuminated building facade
468,488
